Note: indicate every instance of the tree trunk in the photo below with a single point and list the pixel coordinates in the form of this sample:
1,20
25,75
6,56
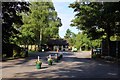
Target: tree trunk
31,47
108,42
27,46
108,39
35,47
40,39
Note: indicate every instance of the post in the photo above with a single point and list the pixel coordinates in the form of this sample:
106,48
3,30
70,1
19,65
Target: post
38,58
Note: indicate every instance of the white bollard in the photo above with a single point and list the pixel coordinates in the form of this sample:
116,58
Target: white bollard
38,58
50,56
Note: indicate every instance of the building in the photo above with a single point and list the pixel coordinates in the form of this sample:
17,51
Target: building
54,44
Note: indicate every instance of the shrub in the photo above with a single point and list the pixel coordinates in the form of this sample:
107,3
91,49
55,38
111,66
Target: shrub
15,54
7,49
3,57
56,59
22,54
38,64
96,56
50,61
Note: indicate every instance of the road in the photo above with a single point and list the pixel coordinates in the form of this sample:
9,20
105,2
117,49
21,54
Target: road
72,65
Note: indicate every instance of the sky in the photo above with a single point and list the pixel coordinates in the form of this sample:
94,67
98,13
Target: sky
66,14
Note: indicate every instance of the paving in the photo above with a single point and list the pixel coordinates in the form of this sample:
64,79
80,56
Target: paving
72,65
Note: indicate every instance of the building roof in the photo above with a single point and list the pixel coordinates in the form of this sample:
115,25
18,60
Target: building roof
58,42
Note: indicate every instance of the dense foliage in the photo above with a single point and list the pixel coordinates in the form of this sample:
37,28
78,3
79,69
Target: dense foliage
11,17
28,23
81,41
99,20
40,24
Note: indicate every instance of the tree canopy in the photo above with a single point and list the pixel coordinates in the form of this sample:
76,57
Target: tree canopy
10,16
81,40
41,23
11,23
29,23
97,19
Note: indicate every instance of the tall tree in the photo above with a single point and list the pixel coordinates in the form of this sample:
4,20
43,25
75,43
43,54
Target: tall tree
10,16
70,37
42,23
81,40
68,34
97,19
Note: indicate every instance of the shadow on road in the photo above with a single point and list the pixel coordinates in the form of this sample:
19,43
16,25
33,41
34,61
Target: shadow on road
83,68
69,67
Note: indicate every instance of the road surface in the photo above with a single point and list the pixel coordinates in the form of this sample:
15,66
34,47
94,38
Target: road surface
72,65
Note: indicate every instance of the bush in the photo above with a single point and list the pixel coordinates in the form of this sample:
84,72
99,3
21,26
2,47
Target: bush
3,57
96,56
11,50
56,59
15,54
109,58
50,61
61,55
7,49
38,62
22,54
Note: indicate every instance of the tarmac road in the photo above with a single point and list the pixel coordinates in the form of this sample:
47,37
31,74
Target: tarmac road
72,65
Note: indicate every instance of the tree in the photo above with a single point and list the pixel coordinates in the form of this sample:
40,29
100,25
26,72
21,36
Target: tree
97,19
68,34
69,37
81,40
10,17
41,23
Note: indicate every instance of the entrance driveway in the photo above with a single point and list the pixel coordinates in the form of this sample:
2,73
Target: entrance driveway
72,65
